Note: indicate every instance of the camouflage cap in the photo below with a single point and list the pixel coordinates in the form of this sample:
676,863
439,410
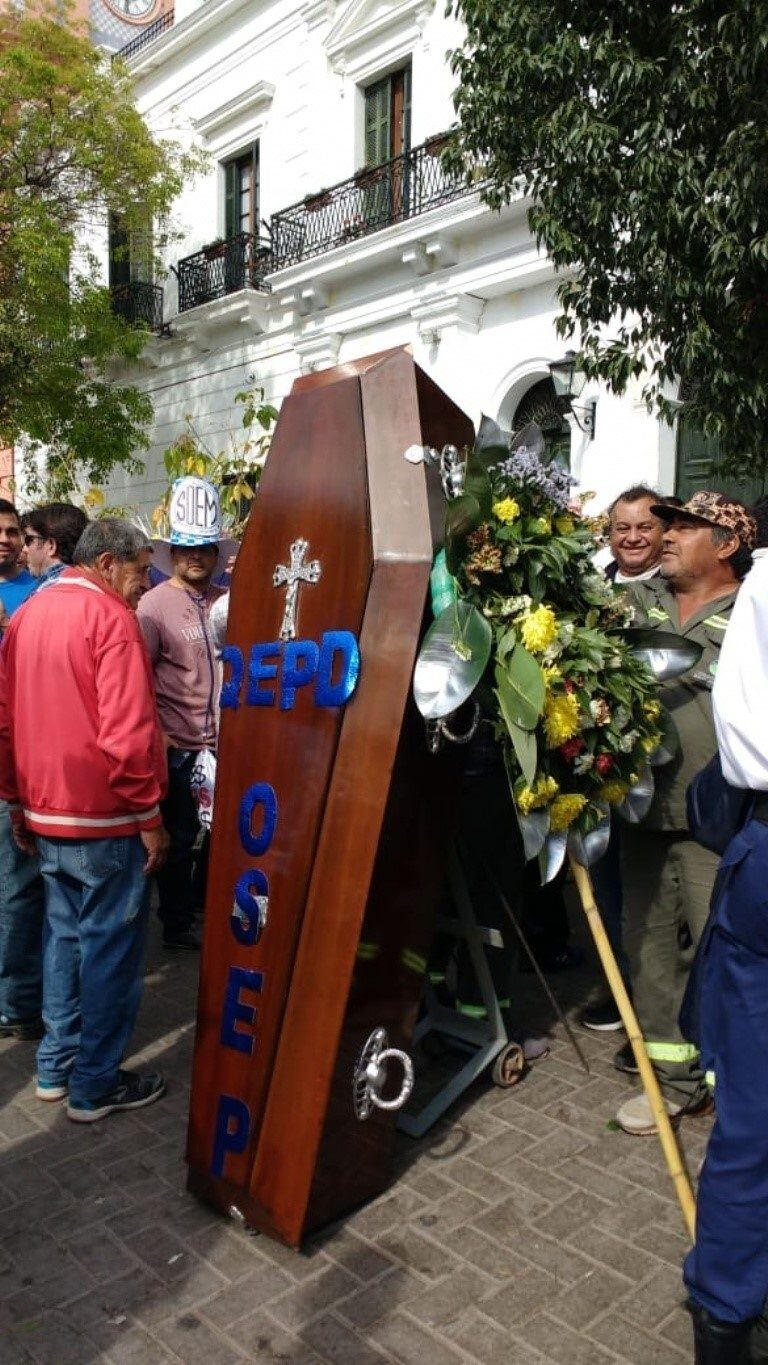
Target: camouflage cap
716,510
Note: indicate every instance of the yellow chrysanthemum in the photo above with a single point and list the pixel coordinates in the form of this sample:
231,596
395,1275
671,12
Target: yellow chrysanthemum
652,742
564,524
652,709
564,810
540,794
541,526
552,675
613,792
561,717
506,510
539,629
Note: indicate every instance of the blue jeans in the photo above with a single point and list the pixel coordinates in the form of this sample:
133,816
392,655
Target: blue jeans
21,927
96,912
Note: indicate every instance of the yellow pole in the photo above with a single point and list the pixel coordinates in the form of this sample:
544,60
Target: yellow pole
629,1019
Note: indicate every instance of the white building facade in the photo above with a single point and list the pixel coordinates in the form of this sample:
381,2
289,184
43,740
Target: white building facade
325,229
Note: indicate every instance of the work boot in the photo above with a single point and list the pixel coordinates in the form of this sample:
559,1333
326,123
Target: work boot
716,1342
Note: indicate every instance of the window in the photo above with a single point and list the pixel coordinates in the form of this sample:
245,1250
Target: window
130,254
388,117
241,194
540,405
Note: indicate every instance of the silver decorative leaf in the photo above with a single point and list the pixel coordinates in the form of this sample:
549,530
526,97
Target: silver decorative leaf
451,661
589,848
670,742
637,802
552,856
666,654
534,828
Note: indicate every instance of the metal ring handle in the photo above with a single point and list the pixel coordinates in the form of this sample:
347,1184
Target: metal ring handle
408,1079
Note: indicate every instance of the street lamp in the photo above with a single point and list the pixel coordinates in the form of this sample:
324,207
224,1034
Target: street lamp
568,380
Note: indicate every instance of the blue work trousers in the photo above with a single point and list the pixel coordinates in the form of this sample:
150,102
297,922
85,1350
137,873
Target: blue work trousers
96,911
727,1270
21,927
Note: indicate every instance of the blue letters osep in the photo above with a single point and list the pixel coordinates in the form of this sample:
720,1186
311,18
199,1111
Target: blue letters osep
276,671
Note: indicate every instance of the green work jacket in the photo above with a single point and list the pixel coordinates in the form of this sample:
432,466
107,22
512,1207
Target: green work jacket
688,698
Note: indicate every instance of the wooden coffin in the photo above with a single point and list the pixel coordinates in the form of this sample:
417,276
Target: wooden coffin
331,819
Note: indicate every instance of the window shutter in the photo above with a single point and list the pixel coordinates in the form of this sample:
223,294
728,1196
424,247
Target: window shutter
231,200
140,254
378,122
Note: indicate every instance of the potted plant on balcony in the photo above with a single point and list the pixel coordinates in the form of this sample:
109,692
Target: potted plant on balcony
317,200
214,250
365,176
436,144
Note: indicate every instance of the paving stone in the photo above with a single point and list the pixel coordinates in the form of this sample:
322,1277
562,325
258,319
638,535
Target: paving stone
559,1343
521,1298
417,1252
483,1252
484,1340
363,1260
125,1344
444,1302
381,1298
630,1343
52,1340
589,1297
263,1340
633,1213
450,1213
335,1341
196,1343
678,1329
655,1299
247,1294
573,1212
622,1257
313,1296
410,1344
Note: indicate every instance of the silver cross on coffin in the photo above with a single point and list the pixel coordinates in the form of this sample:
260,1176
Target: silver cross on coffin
290,577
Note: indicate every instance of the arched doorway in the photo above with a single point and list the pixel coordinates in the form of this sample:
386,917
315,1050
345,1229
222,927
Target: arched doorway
539,404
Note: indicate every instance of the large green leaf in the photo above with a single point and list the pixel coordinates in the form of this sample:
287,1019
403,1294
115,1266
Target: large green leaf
462,517
526,749
478,485
521,690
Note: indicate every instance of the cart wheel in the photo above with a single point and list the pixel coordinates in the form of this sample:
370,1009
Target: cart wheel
508,1066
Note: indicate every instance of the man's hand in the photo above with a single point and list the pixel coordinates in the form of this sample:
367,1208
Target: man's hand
156,842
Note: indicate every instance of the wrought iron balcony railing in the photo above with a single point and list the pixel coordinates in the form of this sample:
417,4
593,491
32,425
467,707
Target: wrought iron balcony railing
147,35
139,303
221,268
370,200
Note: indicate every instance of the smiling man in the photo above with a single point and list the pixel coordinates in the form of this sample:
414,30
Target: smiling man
634,535
667,877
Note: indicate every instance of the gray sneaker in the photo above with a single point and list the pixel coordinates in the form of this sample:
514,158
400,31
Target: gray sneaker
131,1092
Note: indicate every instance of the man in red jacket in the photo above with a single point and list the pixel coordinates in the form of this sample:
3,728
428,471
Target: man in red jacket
83,769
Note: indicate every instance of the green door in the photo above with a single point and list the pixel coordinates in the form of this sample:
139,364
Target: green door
698,457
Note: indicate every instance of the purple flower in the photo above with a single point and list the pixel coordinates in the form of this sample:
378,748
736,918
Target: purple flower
551,480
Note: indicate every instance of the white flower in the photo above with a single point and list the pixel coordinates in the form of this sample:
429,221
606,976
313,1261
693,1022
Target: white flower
583,763
628,741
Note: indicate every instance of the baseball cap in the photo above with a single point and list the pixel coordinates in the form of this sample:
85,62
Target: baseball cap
715,509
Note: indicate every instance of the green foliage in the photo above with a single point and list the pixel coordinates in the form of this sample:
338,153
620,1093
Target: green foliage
235,471
73,149
639,129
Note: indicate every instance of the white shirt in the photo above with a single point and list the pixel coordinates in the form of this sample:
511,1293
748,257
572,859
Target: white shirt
620,577
740,693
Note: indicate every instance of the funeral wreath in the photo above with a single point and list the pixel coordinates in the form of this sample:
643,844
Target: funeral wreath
532,630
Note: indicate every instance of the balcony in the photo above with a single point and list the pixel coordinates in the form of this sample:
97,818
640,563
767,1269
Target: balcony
139,304
222,268
372,199
147,35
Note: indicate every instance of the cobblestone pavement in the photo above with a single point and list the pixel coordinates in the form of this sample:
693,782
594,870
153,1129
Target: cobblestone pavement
521,1230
